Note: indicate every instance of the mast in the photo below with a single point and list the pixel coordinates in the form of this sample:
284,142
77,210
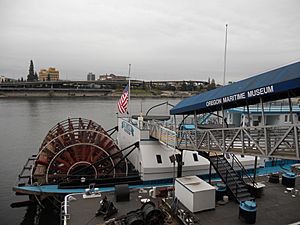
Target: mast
225,55
129,110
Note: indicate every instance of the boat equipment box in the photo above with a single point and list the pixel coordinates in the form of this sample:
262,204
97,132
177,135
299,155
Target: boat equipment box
194,193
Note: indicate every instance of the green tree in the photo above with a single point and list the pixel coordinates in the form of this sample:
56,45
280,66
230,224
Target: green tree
36,78
30,76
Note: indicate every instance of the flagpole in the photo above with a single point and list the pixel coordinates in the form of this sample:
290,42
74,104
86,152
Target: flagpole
129,90
225,56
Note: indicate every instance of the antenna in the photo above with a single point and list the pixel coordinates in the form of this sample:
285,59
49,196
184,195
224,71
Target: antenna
225,54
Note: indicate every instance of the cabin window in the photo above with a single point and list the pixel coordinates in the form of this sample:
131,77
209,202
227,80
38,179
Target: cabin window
195,157
158,159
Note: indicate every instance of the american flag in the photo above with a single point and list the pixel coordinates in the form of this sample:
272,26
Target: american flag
123,102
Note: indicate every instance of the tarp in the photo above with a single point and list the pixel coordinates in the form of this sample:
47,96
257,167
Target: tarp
272,85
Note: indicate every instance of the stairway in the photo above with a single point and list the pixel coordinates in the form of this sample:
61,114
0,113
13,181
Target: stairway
234,182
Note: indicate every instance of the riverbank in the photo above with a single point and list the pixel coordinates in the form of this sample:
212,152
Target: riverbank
92,93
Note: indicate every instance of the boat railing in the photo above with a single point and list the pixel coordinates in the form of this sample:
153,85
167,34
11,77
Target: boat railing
162,131
65,215
267,141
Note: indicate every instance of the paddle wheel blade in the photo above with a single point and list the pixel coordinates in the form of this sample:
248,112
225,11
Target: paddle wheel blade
76,148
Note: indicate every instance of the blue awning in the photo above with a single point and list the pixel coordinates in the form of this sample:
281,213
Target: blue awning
272,85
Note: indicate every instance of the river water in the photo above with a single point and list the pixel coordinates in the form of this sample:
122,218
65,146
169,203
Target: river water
24,123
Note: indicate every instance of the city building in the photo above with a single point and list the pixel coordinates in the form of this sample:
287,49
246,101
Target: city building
111,77
2,79
91,77
49,75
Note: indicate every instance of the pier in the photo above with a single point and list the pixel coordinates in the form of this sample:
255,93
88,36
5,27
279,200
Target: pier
275,141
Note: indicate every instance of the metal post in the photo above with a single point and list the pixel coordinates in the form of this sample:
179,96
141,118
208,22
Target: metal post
179,164
254,171
175,125
248,113
225,53
264,124
249,124
291,110
295,127
195,122
129,106
209,179
262,112
223,131
176,134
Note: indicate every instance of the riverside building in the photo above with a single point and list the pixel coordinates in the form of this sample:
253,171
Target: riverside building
50,74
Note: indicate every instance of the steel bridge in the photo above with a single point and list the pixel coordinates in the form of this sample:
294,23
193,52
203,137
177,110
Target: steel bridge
280,141
276,141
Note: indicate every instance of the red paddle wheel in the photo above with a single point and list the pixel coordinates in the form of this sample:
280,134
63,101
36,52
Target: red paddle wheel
77,148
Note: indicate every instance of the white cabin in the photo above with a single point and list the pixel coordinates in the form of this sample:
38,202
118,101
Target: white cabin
152,158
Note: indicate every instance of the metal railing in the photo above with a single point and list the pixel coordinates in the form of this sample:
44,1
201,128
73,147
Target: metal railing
241,168
280,141
220,163
163,133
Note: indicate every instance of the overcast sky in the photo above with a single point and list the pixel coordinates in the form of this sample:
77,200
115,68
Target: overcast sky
162,39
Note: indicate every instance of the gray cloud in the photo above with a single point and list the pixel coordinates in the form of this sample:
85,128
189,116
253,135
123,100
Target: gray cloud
170,39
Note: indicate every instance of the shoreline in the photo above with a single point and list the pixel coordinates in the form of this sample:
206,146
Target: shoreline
89,94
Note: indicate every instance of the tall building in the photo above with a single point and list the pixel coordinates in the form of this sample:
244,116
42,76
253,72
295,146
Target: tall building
49,75
91,77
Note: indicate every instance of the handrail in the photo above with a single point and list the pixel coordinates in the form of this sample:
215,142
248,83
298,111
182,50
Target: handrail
244,171
236,184
277,141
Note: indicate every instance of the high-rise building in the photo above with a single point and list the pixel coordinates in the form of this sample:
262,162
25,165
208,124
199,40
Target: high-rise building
91,77
49,75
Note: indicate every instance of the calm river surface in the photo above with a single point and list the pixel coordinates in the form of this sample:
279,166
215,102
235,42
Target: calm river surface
24,123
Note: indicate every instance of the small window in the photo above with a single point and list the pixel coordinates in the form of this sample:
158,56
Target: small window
158,159
195,157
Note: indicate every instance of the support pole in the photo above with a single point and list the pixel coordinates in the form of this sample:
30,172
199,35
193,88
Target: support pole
291,110
254,171
249,123
195,123
248,113
225,54
179,163
264,124
209,179
223,131
296,139
175,125
129,107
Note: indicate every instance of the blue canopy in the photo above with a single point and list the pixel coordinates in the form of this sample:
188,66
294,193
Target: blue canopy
272,85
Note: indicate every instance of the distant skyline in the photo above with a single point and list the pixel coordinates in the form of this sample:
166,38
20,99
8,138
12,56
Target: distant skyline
162,40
